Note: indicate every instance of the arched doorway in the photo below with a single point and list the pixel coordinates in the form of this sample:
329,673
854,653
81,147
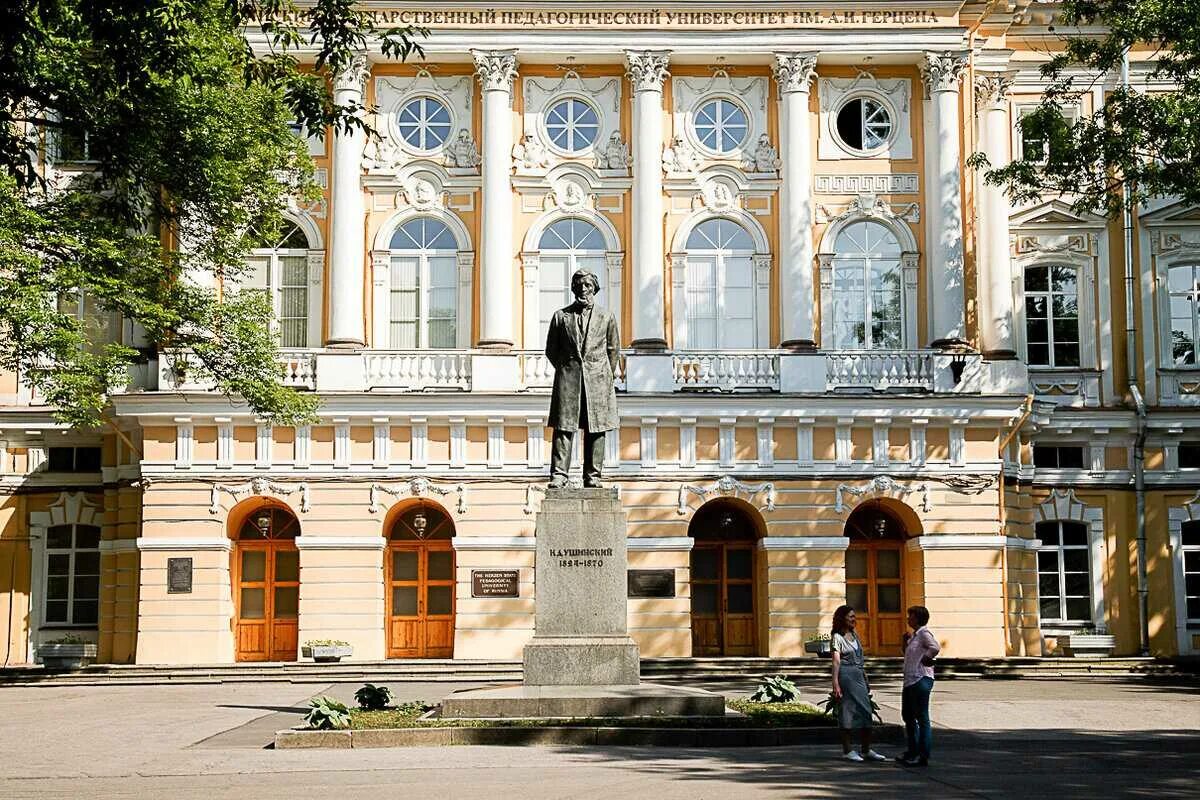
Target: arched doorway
875,575
724,589
420,581
266,579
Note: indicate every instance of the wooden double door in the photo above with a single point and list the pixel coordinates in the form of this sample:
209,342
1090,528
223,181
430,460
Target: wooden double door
267,577
875,588
420,599
723,618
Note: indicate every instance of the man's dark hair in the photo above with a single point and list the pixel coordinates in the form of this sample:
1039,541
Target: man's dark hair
585,275
921,613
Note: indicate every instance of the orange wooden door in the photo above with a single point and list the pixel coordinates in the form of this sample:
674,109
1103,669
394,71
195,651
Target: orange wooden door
420,599
723,618
875,588
267,576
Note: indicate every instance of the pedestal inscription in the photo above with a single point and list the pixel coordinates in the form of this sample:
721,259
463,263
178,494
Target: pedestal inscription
581,635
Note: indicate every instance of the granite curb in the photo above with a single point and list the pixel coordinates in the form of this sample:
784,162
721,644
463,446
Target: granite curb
293,739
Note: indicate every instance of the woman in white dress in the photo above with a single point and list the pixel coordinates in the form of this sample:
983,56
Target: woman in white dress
850,686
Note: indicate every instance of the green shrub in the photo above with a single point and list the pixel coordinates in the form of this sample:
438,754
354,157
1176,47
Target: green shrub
70,638
325,714
818,637
373,698
326,643
776,689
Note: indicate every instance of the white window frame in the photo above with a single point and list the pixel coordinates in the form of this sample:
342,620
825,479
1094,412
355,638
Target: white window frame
868,292
1022,110
315,256
381,265
396,123
894,94
393,92
1064,506
689,94
761,265
70,508
71,553
1080,271
1085,284
744,144
540,94
877,98
1185,628
544,118
1061,550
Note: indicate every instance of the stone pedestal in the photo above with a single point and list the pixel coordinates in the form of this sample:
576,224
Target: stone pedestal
581,635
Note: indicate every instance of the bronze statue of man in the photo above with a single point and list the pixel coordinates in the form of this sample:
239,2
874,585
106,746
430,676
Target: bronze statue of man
582,346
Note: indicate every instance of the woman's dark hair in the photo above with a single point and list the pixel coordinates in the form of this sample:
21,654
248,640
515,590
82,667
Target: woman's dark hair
921,613
839,619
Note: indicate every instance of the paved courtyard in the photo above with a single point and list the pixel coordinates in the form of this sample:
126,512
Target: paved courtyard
994,738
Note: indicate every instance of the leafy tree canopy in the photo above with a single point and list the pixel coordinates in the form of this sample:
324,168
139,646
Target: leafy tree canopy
1140,143
184,153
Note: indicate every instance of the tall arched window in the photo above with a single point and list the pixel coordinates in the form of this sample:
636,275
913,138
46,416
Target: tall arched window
423,294
1064,575
868,288
566,246
279,265
1052,315
719,287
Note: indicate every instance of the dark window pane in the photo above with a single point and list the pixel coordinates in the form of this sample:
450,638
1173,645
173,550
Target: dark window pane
404,601
856,597
57,587
1039,355
1191,561
705,565
1036,308
1191,534
1189,455
856,564
1036,279
254,566
86,612
1045,456
87,537
441,566
889,599
887,564
1038,330
1077,584
60,459
704,599
287,602
1075,561
87,562
439,601
1047,532
287,565
56,611
58,564
58,537
87,459
1192,582
739,564
1066,355
1074,534
404,565
1079,608
87,587
253,604
741,598
1050,608
1070,458
1048,585
1193,608
849,124
1048,561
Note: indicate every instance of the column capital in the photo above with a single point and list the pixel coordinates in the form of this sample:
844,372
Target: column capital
496,69
794,71
647,69
992,89
942,71
353,76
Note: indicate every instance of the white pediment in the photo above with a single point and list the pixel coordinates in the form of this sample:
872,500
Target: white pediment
1178,212
1054,213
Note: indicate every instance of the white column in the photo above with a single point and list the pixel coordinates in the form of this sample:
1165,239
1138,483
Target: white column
994,262
942,72
496,70
347,228
794,73
647,70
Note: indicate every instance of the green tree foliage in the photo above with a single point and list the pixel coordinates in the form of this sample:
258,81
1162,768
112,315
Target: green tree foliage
1139,144
179,133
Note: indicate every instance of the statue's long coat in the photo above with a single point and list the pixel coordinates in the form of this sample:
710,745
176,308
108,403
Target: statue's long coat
583,369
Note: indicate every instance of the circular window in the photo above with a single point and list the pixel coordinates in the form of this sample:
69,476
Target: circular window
572,125
424,123
721,125
864,124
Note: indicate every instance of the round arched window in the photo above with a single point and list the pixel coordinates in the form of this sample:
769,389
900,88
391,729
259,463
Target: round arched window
566,246
864,124
424,123
721,125
423,290
422,522
572,125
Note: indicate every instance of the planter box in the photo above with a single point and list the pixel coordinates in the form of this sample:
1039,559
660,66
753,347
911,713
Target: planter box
1087,645
820,648
327,653
68,657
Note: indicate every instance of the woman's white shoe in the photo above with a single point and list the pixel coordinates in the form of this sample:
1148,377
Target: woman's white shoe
871,755
852,756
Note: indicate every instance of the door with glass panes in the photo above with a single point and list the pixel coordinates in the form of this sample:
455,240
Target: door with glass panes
875,588
723,585
266,568
420,576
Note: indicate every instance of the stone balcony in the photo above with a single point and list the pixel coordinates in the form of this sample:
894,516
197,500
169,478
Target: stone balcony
692,371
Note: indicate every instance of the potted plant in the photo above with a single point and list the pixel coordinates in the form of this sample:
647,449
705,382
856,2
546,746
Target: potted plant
326,651
1088,642
819,644
67,653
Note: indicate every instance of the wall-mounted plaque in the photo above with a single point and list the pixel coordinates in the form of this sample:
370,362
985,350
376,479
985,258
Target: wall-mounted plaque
495,583
179,576
651,583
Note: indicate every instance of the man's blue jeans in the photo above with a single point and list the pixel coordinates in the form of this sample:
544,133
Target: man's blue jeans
914,709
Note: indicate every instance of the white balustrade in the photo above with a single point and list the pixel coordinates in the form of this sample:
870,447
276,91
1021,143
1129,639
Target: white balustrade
538,373
416,370
728,370
880,370
299,368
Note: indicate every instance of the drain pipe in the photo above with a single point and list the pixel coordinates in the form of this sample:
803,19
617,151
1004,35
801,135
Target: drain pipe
1139,404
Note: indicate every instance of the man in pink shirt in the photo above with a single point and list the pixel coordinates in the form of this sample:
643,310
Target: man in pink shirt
920,650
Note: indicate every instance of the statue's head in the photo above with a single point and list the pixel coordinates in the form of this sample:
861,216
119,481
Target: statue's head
585,286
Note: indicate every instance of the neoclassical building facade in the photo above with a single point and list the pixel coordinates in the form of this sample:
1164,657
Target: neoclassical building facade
852,371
